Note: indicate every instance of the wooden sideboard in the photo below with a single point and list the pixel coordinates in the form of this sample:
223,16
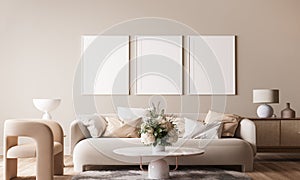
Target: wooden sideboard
277,134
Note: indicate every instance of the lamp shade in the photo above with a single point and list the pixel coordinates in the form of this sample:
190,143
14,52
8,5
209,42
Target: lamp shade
266,96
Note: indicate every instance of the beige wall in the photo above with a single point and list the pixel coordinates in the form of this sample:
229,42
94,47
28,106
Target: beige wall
40,48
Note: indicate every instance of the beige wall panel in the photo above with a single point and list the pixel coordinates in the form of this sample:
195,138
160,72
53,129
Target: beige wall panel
40,50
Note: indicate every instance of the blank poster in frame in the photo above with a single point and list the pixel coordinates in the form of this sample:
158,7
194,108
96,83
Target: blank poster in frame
158,65
212,65
105,65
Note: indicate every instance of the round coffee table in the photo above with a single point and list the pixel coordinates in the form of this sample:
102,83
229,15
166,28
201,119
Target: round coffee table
158,168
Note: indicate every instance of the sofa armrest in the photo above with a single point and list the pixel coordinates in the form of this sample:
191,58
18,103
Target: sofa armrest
247,132
76,134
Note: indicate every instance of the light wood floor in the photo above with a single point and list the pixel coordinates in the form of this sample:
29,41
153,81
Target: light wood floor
266,167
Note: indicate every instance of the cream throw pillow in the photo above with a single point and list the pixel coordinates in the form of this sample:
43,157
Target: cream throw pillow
94,123
83,129
230,122
199,130
120,129
128,114
213,116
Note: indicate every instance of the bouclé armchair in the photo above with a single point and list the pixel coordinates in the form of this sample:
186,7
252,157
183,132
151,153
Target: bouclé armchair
48,147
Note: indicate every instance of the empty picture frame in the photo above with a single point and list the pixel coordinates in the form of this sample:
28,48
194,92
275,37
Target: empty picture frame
211,65
105,65
158,65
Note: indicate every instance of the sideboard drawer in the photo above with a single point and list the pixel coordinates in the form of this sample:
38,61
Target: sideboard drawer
290,133
267,133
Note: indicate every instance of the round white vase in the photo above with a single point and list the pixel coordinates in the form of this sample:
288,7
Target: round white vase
265,111
158,148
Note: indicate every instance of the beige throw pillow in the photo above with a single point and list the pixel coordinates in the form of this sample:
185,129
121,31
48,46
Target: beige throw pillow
119,129
230,122
126,131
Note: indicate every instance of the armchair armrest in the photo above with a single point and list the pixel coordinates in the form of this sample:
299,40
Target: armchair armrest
58,134
247,132
38,131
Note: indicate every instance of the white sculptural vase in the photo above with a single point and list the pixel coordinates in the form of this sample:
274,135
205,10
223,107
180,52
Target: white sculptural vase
46,105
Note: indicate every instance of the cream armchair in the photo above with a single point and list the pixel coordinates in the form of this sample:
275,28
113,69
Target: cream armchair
48,147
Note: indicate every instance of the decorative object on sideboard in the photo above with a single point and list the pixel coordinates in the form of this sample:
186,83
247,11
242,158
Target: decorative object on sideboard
288,112
265,97
46,105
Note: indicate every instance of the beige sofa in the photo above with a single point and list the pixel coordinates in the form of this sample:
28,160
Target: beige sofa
239,150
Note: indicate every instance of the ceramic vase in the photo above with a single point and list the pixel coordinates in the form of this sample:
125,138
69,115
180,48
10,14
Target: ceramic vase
158,148
288,112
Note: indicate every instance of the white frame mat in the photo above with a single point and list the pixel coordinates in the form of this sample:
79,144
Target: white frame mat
211,65
105,65
158,65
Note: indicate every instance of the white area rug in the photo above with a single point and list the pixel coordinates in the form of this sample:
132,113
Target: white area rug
203,174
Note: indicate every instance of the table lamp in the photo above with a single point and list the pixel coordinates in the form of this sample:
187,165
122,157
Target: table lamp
265,97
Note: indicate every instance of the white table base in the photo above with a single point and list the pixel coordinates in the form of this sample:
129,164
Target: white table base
158,169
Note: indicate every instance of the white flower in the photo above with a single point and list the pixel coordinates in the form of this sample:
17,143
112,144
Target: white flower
150,130
163,121
147,138
143,126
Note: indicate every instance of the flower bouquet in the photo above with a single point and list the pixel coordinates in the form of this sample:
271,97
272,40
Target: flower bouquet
157,129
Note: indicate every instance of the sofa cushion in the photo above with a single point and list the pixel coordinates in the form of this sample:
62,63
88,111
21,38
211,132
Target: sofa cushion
99,151
128,114
94,123
118,128
29,150
84,129
199,130
230,122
